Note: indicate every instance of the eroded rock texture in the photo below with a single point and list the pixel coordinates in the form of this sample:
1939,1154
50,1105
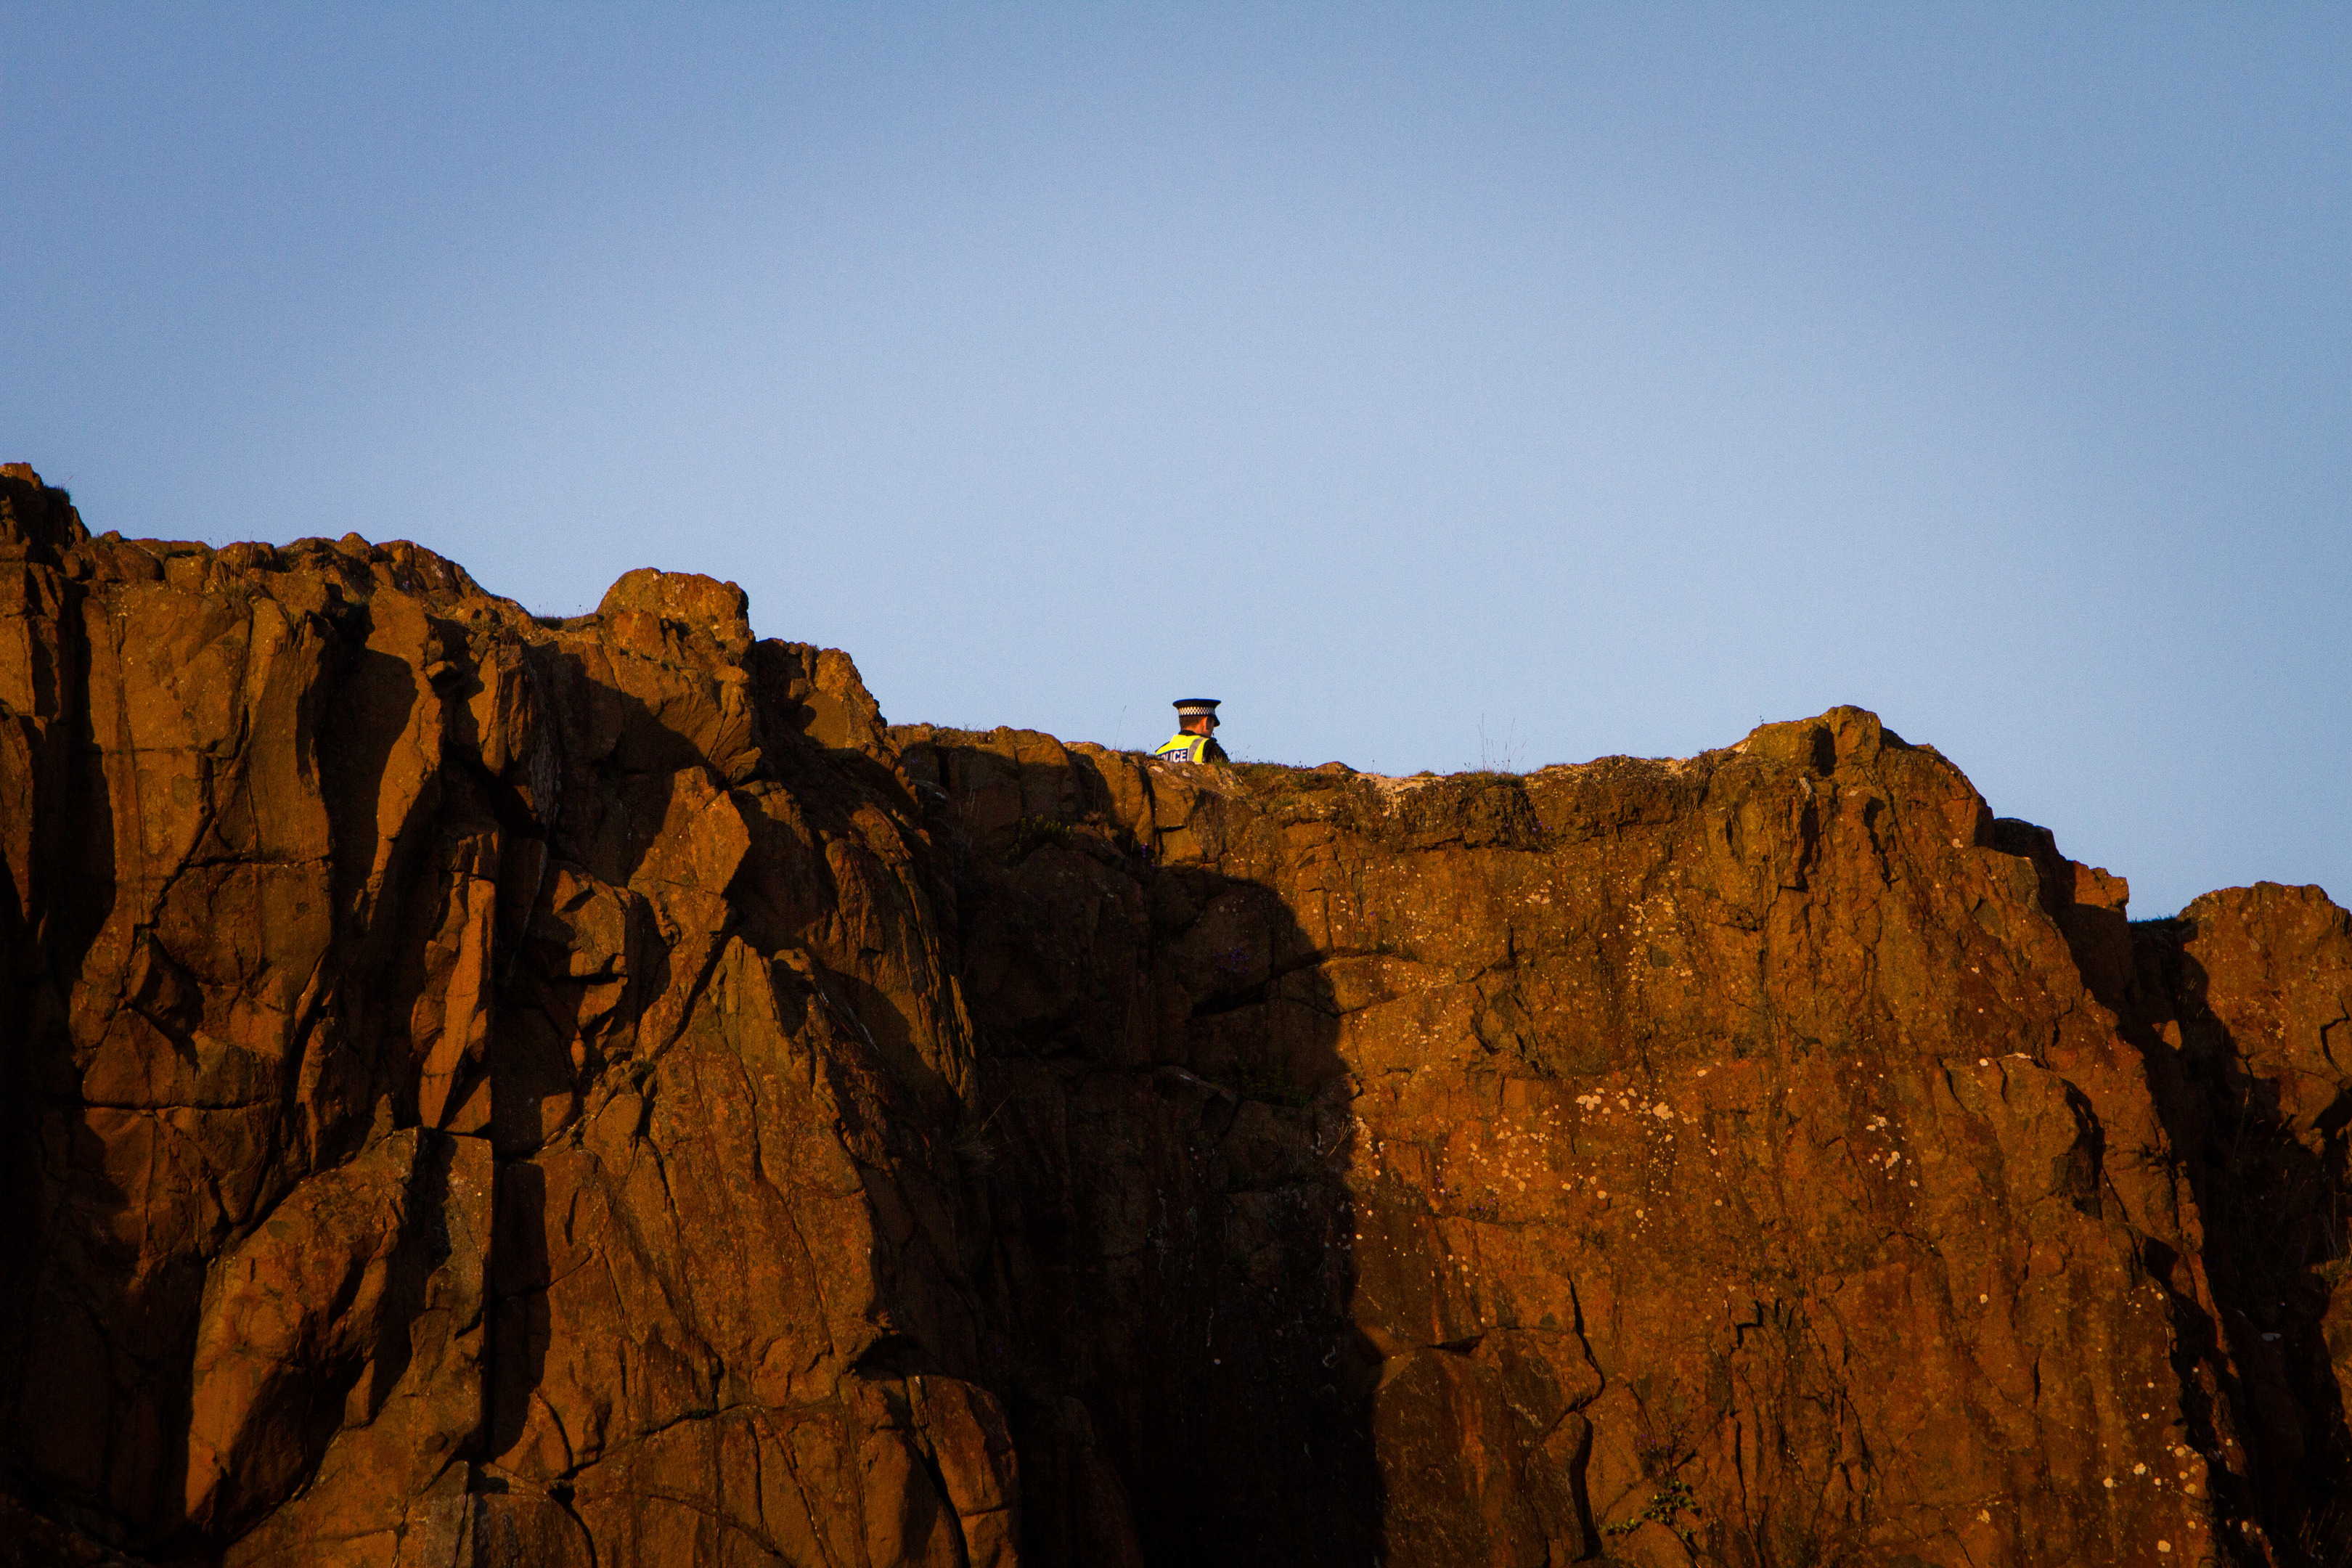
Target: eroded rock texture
486,1090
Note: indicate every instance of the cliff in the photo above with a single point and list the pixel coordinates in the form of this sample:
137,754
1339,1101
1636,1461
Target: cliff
488,1090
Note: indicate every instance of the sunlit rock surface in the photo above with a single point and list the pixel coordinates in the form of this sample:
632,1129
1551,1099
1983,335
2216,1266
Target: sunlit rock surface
490,1090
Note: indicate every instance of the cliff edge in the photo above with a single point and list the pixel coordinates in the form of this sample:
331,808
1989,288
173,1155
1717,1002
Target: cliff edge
484,1089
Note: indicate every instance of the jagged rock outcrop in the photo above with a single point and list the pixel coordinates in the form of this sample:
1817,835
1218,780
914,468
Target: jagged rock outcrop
490,1091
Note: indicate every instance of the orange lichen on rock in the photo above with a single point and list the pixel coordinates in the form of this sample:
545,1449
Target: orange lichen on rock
487,1089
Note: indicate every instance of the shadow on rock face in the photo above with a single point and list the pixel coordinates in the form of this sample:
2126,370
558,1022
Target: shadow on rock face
2233,1004
1164,1151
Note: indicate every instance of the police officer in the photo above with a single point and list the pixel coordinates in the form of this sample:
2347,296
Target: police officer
1196,717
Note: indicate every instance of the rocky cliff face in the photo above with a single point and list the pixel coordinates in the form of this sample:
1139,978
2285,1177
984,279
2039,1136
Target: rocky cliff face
488,1091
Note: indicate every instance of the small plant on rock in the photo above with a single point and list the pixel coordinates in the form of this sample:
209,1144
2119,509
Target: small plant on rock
1660,1447
1033,833
1666,1506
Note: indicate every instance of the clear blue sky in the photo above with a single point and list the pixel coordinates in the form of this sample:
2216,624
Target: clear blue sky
1436,384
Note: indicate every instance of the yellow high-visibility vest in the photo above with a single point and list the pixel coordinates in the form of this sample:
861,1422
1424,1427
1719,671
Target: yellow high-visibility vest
1184,748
